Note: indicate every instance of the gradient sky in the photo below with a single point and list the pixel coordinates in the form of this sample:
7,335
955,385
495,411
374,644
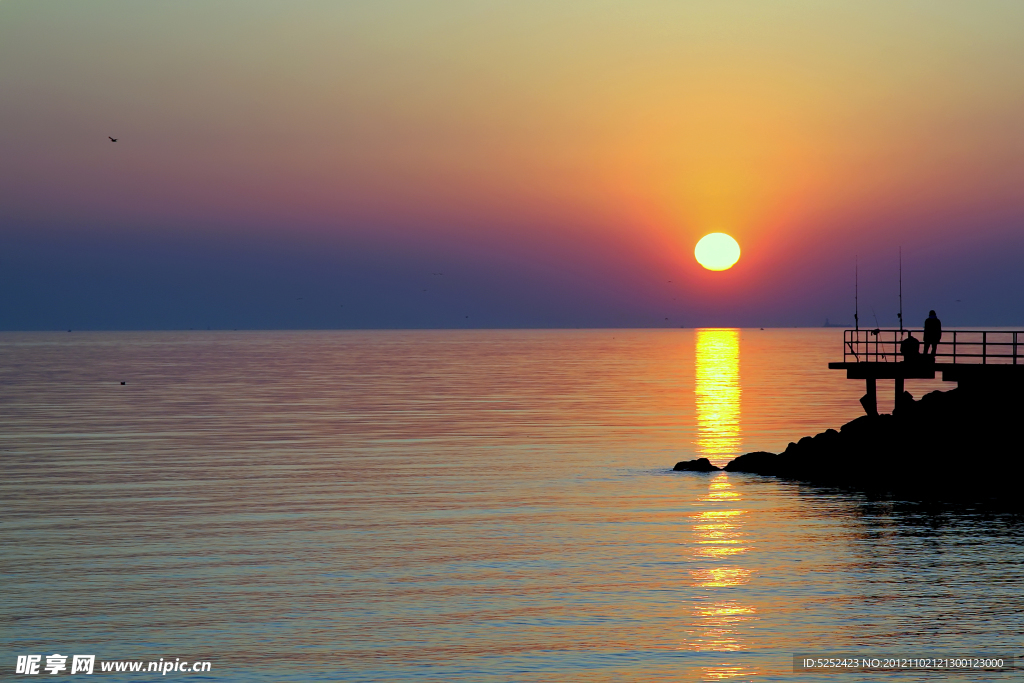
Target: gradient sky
314,164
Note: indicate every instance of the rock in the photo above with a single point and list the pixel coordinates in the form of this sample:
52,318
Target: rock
759,462
698,465
904,403
959,444
870,404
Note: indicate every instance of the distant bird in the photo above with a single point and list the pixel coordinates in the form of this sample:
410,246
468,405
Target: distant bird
112,139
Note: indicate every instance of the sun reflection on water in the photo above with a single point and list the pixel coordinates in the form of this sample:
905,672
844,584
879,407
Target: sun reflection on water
721,673
721,577
717,391
718,543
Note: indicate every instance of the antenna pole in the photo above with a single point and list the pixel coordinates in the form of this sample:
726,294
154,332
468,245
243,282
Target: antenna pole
901,291
856,304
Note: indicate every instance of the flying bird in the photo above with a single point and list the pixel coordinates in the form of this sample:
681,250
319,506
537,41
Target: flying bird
112,139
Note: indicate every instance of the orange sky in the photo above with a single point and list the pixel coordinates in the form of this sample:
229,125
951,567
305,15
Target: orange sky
805,129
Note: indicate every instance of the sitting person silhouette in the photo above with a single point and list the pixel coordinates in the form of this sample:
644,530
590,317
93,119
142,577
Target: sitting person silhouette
910,348
932,334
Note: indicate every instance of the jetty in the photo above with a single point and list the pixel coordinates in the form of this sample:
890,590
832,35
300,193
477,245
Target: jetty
977,358
961,444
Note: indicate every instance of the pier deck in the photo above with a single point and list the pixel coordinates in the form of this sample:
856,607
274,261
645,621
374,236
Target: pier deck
979,357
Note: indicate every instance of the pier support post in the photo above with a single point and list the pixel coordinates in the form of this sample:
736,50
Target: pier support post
899,392
870,399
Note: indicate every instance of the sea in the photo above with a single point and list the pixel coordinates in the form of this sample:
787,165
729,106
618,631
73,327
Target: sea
475,505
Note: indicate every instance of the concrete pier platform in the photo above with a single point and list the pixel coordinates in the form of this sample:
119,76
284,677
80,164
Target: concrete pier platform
979,358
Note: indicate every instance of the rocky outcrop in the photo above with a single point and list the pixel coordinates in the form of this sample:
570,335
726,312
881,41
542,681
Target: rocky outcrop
698,465
964,443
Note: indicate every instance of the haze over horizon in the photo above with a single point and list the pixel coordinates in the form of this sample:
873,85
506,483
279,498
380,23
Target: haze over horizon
453,164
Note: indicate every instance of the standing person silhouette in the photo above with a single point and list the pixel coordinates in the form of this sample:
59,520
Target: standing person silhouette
932,334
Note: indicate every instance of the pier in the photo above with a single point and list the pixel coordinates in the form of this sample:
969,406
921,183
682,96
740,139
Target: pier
992,358
959,445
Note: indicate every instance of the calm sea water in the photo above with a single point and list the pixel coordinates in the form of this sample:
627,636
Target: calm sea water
473,505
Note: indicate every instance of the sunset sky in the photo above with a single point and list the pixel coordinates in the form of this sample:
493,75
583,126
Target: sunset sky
332,164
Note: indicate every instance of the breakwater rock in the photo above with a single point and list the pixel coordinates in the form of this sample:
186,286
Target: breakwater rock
698,465
963,444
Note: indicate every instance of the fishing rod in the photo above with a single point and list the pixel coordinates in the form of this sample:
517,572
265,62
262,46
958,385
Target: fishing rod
900,314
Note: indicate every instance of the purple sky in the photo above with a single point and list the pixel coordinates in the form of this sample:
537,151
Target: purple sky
315,164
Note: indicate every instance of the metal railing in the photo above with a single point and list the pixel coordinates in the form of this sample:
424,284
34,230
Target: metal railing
986,347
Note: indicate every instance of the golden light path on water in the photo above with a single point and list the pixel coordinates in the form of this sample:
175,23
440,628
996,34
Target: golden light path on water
717,541
717,392
718,530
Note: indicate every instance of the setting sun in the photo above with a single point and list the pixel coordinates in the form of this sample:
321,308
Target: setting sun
717,251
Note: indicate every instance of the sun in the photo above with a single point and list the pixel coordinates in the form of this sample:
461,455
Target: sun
717,251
